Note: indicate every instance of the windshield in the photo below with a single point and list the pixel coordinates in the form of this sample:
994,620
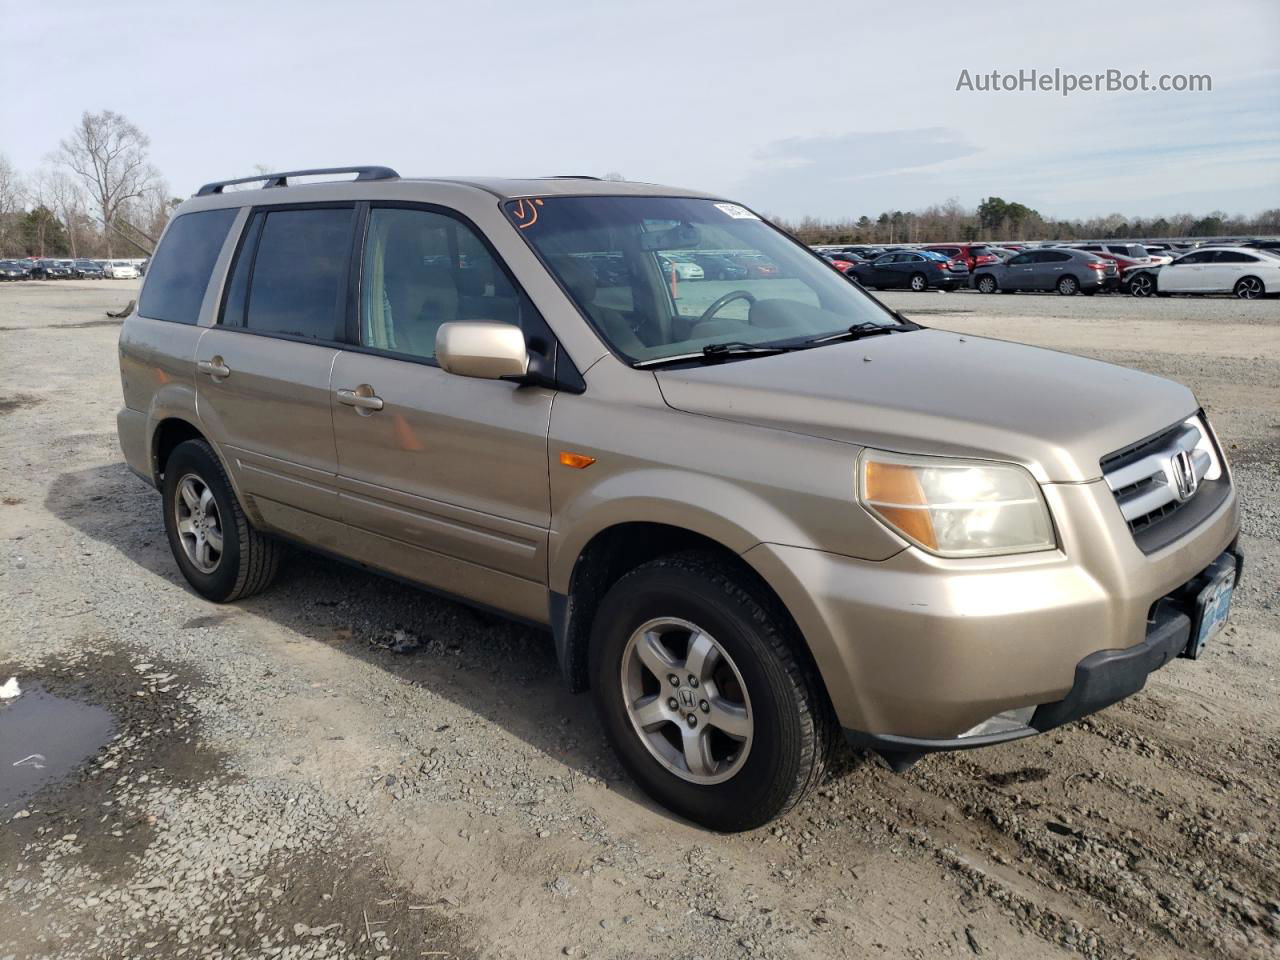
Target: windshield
666,276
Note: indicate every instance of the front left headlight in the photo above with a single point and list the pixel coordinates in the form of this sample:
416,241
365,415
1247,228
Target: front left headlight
956,508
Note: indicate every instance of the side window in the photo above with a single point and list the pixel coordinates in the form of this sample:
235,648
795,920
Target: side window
297,282
1054,256
1020,259
422,269
1231,256
1198,257
181,268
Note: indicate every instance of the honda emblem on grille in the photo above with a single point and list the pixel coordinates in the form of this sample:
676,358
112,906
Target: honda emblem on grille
1183,473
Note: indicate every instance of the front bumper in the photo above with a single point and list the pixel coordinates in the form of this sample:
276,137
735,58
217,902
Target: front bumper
923,648
1103,678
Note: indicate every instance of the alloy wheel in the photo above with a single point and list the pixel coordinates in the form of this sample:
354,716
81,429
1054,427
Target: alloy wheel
199,524
1250,288
686,700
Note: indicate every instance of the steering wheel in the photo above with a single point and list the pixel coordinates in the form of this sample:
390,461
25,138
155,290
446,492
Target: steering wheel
721,302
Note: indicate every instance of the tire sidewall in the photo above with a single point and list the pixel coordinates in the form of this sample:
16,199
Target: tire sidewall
197,457
772,763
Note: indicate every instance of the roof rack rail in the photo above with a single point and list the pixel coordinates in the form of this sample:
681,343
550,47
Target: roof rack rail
282,179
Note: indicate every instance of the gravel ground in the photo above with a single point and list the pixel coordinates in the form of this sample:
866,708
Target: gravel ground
348,767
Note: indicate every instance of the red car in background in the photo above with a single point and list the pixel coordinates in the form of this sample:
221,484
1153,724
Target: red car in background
974,255
1125,256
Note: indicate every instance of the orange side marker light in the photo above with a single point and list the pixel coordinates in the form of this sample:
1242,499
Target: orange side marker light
579,461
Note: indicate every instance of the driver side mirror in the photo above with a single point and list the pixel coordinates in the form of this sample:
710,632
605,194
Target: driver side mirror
488,351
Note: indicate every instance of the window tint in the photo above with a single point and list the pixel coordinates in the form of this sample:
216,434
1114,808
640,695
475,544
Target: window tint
1021,259
299,273
422,269
1201,256
181,268
1231,256
1054,256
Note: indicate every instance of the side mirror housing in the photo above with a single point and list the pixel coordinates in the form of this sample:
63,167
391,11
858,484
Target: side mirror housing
487,351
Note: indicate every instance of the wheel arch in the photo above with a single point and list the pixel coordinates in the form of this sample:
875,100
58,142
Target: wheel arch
165,437
616,550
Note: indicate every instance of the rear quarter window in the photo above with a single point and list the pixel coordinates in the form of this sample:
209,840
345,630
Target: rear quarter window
181,267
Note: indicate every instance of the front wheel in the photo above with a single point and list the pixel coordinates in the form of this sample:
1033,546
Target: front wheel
706,694
1068,286
986,284
222,556
1249,288
1143,285
919,283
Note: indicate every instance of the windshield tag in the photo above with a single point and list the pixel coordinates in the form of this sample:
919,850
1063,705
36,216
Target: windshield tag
737,212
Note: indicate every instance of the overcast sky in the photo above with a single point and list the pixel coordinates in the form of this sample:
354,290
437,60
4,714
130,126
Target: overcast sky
829,109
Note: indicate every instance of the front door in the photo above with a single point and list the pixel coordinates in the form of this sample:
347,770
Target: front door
443,479
263,373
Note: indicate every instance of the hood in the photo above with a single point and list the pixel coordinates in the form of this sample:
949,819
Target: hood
933,392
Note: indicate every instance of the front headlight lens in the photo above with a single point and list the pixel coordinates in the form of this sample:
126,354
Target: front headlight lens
956,508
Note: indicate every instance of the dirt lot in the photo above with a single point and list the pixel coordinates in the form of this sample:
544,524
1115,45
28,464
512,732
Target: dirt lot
345,766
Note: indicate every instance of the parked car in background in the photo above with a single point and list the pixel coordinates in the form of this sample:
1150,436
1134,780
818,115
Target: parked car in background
757,266
1247,272
1064,269
682,267
844,262
719,267
50,270
13,270
86,270
119,270
974,255
912,270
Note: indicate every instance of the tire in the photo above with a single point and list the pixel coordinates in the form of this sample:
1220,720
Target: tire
1249,288
1143,285
918,282
247,561
790,727
987,284
1068,286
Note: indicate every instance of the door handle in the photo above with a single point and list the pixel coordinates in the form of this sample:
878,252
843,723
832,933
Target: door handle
214,368
362,398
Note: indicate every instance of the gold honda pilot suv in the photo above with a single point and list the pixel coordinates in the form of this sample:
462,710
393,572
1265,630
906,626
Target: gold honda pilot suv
755,508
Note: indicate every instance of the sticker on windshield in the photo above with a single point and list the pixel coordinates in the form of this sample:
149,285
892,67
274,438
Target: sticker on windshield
737,212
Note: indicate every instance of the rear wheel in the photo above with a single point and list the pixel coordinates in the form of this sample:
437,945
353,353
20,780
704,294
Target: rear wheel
1249,288
706,696
919,282
987,284
1068,286
222,556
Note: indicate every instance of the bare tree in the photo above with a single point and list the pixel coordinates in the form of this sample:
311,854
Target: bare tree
11,196
110,155
65,197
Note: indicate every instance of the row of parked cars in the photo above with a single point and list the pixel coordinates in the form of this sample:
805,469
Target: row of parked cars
1249,269
82,269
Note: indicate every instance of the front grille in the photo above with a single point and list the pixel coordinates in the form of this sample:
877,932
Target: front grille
1145,477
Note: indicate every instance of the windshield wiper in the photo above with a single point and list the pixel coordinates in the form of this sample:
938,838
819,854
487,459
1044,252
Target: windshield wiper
721,351
868,328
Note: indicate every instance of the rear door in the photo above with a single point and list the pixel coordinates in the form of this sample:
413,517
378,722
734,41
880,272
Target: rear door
1227,266
263,372
443,479
1050,267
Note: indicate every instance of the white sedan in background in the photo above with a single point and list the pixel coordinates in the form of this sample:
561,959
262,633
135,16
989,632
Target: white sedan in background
1248,273
119,270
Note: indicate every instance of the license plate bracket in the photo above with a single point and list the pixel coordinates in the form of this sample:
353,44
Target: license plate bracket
1212,607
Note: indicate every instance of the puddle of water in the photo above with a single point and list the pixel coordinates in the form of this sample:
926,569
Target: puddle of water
42,739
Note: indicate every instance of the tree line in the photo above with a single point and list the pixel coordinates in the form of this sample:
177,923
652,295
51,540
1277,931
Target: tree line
96,195
997,219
